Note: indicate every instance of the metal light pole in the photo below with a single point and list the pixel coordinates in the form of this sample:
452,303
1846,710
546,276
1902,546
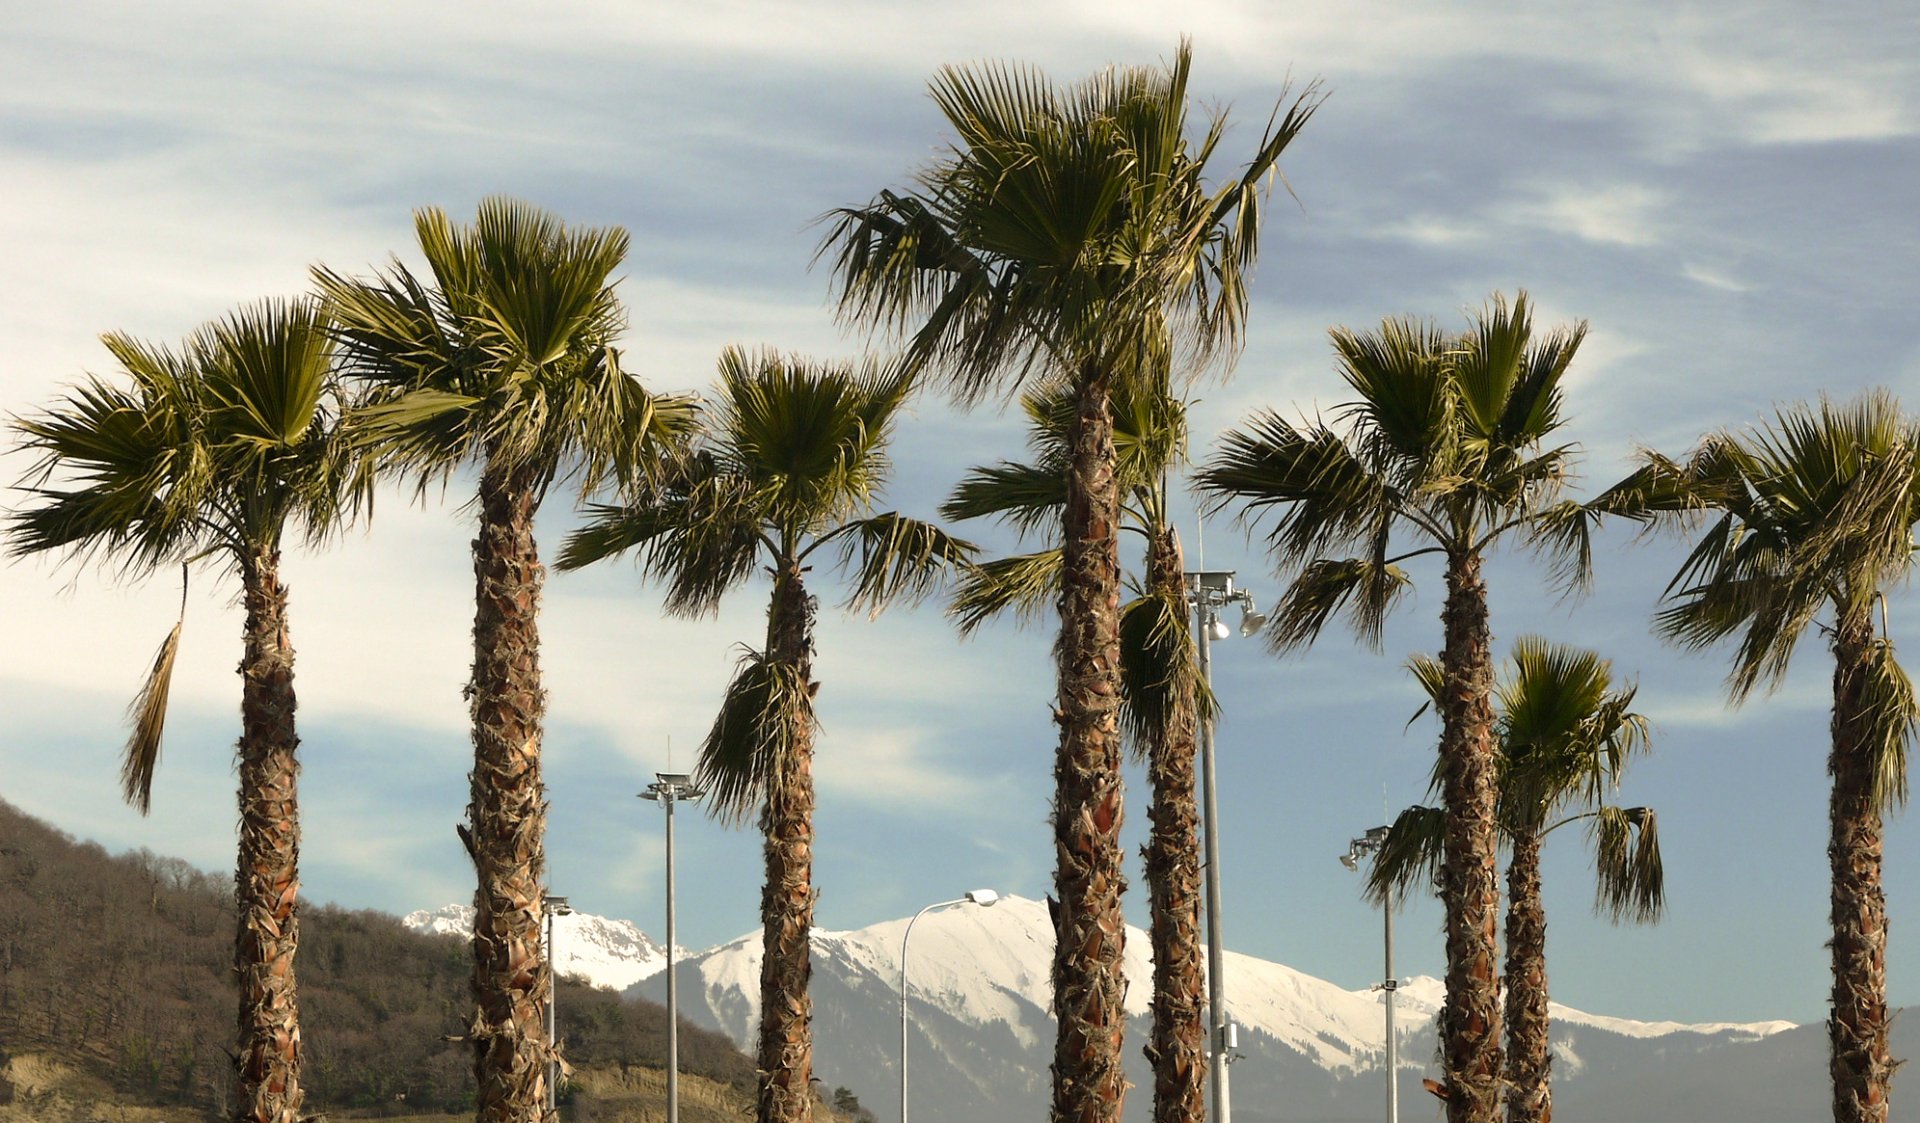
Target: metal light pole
1209,591
553,907
985,898
1357,849
667,789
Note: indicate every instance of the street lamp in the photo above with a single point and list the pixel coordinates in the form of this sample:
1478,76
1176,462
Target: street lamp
553,907
667,789
1209,591
985,898
1359,848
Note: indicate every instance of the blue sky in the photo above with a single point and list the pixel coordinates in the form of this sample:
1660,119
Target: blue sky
1724,191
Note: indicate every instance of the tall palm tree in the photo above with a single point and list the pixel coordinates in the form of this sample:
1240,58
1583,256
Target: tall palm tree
503,358
1811,521
793,458
1160,681
1444,445
212,452
1564,736
1067,232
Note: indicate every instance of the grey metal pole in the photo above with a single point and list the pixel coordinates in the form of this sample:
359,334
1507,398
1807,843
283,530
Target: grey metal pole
673,987
1392,985
1217,1020
904,937
667,789
553,1001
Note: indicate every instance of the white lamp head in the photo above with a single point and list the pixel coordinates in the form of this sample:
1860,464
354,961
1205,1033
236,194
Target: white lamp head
985,898
1218,629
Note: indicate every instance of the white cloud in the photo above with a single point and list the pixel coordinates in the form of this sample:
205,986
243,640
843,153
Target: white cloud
1621,214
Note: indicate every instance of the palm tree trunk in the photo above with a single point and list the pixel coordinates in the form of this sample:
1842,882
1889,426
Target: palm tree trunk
267,877
1861,1069
1529,1095
1090,929
786,900
506,815
1470,887
1177,1050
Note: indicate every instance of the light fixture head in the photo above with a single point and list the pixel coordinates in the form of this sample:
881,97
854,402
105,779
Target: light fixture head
558,906
985,898
1349,861
1217,628
1251,621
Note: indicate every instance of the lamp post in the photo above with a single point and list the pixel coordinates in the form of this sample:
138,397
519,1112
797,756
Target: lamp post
667,789
985,898
553,907
1359,848
1209,591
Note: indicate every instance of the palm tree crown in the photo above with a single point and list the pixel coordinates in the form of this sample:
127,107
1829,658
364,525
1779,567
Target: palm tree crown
792,461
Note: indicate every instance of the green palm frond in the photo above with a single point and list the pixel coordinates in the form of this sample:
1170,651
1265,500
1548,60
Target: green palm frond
702,534
894,558
1027,497
1411,855
766,703
1632,879
1891,714
1027,585
1366,589
1159,669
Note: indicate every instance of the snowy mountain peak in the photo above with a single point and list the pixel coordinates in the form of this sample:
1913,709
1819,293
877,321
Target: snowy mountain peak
608,953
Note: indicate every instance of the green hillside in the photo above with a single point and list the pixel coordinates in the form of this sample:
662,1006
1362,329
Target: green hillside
116,1004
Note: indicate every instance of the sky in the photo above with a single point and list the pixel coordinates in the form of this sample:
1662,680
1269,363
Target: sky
1723,191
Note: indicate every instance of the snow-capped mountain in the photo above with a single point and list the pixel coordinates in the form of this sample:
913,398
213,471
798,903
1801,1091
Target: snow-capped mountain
1309,1050
608,953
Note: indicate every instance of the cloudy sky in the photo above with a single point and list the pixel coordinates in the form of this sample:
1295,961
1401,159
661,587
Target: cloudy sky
1724,191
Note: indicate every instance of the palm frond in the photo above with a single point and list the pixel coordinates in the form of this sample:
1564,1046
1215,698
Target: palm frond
765,704
1410,856
898,559
1367,590
1159,669
147,715
1632,879
1027,497
1890,714
1027,585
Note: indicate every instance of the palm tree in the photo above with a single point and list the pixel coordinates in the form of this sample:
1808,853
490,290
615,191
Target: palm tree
1067,233
504,359
211,453
792,461
1161,699
1813,517
1444,445
1564,736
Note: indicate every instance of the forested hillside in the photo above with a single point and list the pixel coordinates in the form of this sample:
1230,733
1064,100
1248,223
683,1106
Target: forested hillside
122,966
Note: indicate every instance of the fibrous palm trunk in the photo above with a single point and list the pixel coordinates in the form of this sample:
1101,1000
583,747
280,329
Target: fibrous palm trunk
786,900
1090,930
1177,1050
267,878
506,814
1469,876
1861,1069
1529,1093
